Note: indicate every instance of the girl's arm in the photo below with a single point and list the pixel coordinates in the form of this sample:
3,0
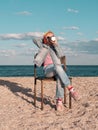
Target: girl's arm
37,42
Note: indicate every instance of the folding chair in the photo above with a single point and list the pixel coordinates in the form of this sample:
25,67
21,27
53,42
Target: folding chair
42,78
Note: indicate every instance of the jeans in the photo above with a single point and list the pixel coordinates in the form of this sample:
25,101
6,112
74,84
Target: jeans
50,72
54,69
59,69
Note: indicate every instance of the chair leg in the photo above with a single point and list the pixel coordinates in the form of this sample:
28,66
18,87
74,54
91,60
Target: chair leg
42,94
42,101
64,95
70,99
35,81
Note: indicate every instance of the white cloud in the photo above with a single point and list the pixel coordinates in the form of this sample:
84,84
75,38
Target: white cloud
71,28
20,36
24,13
24,36
96,39
21,45
97,32
7,52
75,50
60,38
79,33
83,47
72,10
70,48
82,59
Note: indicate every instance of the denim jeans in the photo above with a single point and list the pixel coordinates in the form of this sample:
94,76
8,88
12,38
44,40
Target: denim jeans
56,68
50,72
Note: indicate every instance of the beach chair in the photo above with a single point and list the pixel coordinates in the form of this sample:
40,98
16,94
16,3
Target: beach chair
43,78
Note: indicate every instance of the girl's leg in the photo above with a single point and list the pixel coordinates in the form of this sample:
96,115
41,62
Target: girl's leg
50,72
59,95
62,74
59,88
59,69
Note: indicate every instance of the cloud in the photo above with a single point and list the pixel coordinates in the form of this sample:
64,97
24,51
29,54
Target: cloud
22,45
74,50
23,36
20,52
60,38
71,49
7,53
90,47
72,10
96,39
20,36
71,28
24,13
28,52
79,33
81,48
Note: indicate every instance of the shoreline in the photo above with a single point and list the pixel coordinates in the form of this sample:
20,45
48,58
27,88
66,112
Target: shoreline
17,109
33,76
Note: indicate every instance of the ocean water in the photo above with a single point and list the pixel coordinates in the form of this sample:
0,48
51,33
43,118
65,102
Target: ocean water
28,70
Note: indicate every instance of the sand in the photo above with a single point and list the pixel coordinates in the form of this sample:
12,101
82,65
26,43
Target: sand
17,111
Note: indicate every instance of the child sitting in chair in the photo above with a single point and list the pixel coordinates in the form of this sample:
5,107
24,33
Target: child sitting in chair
49,54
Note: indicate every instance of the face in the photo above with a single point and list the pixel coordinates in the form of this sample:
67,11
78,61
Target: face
50,37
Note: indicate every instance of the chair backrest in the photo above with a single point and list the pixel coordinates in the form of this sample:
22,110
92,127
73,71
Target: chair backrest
63,62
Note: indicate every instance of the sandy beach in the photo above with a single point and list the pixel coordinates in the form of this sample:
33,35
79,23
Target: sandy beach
17,111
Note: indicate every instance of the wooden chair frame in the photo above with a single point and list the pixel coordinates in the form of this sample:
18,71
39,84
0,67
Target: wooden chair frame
41,78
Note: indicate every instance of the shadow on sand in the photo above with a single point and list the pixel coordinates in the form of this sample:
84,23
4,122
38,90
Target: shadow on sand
20,91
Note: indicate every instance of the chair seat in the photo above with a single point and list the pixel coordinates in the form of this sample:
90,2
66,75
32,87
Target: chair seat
42,77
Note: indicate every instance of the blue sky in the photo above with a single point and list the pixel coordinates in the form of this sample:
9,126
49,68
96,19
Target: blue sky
74,22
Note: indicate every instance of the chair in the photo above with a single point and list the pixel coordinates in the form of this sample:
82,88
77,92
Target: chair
42,78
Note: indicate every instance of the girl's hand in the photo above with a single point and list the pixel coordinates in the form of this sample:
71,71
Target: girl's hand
52,42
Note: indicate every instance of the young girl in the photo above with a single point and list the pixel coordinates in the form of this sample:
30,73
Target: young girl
49,54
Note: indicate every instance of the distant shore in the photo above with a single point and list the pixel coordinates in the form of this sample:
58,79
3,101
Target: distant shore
17,111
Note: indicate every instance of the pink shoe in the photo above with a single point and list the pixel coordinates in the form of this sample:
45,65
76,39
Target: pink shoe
59,105
74,94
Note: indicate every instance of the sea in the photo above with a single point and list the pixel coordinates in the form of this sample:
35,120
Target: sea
28,70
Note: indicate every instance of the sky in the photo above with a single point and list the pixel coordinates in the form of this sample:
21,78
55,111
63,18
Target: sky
74,23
